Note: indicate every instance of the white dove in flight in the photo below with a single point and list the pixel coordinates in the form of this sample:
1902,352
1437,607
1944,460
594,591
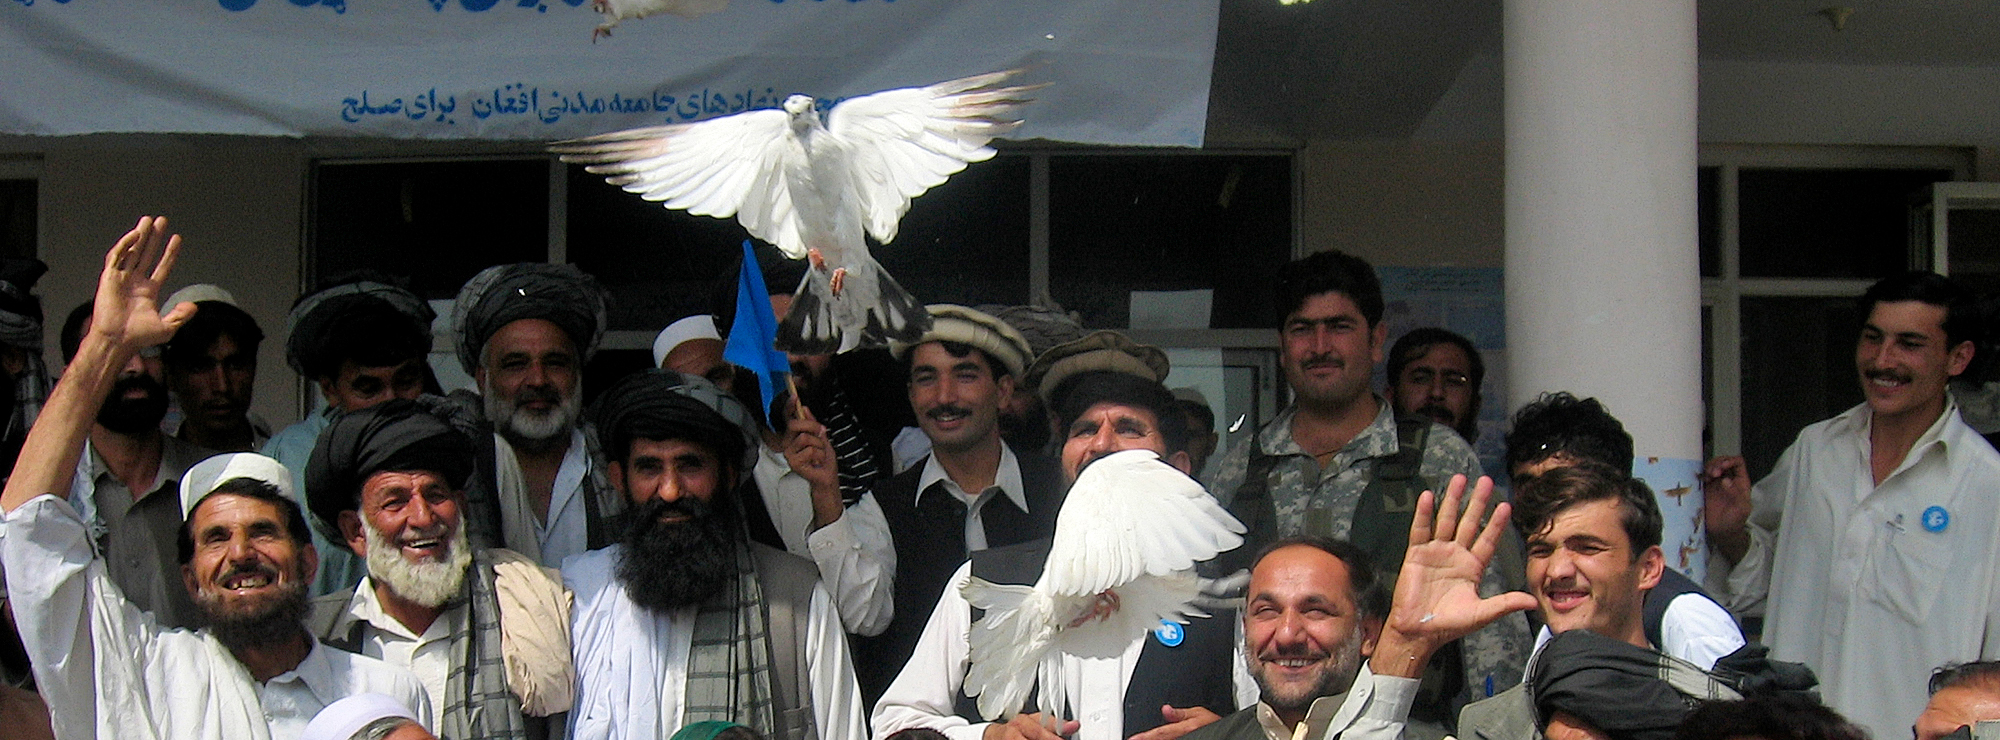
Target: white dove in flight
1127,539
616,11
811,187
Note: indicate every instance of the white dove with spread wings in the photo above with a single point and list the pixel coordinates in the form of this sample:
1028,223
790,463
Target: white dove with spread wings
812,188
1127,539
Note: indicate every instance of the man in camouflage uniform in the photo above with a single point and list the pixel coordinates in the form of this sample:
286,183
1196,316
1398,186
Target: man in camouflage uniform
1340,463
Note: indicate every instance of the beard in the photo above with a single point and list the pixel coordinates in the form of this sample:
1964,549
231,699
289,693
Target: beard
1335,677
670,565
428,583
526,428
131,416
251,621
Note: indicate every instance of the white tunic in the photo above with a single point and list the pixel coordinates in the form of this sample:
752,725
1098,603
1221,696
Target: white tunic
855,555
1875,586
631,662
107,669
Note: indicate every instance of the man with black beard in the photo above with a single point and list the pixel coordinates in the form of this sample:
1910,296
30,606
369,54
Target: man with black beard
390,479
687,620
524,333
109,670
125,481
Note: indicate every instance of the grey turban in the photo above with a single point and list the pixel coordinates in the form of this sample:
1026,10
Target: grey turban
663,404
396,436
503,294
315,315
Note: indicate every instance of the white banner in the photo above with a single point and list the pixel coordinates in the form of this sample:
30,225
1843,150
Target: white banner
1130,72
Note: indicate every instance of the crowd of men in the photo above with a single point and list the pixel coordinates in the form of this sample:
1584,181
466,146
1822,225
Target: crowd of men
685,557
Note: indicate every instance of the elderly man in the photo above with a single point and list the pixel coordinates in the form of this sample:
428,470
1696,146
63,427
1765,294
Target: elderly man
685,619
1340,463
391,479
1314,612
361,343
1869,515
211,366
1436,373
1105,393
124,483
524,332
109,670
972,491
1963,695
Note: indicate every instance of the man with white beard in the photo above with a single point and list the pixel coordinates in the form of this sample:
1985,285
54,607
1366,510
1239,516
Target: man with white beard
486,631
524,333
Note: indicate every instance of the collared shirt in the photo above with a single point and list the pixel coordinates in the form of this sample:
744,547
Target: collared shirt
632,662
339,569
925,693
139,537
383,637
109,670
1006,481
1374,708
855,555
1694,628
1875,585
565,530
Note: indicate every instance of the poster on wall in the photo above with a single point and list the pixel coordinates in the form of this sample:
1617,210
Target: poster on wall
1126,72
1468,301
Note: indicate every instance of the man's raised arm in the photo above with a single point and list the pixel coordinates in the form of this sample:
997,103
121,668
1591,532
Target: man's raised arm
124,319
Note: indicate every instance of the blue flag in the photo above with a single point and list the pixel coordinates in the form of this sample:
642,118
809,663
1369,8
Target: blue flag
754,334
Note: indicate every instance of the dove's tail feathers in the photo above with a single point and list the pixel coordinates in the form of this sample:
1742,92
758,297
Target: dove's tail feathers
870,310
1007,645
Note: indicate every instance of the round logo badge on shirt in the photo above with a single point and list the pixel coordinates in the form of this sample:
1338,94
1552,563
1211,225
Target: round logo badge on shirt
1169,634
1936,519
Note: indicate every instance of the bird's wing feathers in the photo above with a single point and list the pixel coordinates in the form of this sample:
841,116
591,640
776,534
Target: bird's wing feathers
906,141
1007,645
730,166
1128,515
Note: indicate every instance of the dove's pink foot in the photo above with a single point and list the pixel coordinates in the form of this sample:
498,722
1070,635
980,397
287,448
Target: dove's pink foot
1105,605
818,260
839,277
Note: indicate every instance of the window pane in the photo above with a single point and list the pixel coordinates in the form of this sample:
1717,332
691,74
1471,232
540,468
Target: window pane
1709,220
1798,368
1163,222
657,263
1828,223
966,241
435,223
1974,238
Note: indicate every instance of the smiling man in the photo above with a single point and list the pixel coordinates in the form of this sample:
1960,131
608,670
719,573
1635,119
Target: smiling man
685,619
391,480
972,491
1868,515
108,670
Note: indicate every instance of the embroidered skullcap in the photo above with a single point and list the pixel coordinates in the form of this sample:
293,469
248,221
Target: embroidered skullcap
963,325
209,474
503,294
197,293
316,317
663,404
698,326
399,435
342,719
1100,350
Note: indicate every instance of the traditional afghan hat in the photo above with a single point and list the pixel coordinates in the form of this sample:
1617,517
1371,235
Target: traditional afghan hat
398,435
1100,350
315,316
664,402
951,323
210,474
341,719
503,294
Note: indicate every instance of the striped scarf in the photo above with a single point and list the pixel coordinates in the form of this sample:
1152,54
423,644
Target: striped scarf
729,663
478,703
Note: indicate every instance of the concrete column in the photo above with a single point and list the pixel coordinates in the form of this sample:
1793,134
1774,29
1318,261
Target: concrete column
1603,292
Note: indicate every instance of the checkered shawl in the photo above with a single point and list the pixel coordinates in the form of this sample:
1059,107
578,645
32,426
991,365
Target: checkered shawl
478,703
729,663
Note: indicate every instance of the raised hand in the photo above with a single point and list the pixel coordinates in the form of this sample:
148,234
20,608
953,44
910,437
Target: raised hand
126,311
1725,484
1437,592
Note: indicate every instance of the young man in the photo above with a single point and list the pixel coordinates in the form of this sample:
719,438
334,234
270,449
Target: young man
107,669
211,366
1847,546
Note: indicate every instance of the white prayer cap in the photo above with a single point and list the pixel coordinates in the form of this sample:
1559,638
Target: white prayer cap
196,293
202,479
698,326
341,719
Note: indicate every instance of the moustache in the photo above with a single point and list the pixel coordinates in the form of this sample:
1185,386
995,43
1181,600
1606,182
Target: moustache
689,508
1885,374
948,409
1439,412
1323,360
246,569
530,395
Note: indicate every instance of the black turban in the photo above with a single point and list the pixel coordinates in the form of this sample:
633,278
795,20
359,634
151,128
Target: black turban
1620,689
314,317
395,436
663,404
503,294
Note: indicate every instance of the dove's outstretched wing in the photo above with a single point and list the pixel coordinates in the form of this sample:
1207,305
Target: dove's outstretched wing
1131,515
722,167
904,142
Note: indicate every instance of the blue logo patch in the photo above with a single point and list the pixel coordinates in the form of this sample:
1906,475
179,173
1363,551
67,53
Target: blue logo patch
1170,634
1936,519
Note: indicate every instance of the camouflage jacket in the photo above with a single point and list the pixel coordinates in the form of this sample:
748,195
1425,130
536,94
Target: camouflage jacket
1298,485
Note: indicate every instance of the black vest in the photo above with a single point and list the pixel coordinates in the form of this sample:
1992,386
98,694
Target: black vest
1672,586
1198,671
930,545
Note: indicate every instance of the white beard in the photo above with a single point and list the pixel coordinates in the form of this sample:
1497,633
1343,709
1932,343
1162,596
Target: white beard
429,583
518,424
